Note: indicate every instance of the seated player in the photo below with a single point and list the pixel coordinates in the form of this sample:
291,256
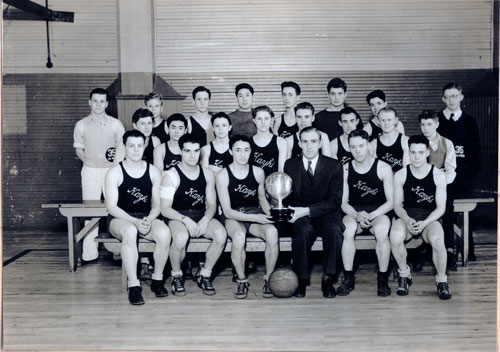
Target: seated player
240,187
304,114
268,150
391,146
189,201
216,155
376,102
168,154
339,147
315,200
419,202
286,125
442,155
367,198
154,104
133,203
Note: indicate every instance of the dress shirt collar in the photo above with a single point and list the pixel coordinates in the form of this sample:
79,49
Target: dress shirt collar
456,114
313,164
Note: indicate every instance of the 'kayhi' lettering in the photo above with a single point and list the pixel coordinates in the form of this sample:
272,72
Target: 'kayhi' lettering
367,190
172,164
262,162
243,189
419,191
193,193
218,163
136,192
391,160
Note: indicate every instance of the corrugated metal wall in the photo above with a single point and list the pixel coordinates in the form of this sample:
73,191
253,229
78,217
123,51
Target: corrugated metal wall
322,35
89,45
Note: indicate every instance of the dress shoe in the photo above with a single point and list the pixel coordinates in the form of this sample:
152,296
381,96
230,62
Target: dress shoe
327,288
300,292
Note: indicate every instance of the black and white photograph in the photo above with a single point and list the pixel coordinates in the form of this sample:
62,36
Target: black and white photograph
249,175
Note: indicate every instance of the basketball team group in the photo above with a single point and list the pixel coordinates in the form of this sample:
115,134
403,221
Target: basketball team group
204,176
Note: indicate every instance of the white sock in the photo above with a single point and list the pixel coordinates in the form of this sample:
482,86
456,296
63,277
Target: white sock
132,283
404,273
158,277
176,273
205,273
443,278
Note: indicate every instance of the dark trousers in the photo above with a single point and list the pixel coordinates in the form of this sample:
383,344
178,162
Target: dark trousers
447,219
305,231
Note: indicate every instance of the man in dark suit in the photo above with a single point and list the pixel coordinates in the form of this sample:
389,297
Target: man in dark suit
315,200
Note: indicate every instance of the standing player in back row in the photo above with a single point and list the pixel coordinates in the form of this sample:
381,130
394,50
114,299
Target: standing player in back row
419,202
154,104
242,118
199,124
391,146
366,199
269,151
286,125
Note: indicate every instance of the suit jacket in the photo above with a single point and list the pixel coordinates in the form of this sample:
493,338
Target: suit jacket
328,185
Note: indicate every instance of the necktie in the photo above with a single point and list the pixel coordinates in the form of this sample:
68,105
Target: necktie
452,115
309,169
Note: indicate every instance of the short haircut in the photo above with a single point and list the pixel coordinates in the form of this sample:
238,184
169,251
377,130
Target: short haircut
304,106
359,133
177,117
375,94
201,89
100,91
151,96
237,138
141,113
309,129
262,108
220,115
388,109
418,139
453,85
292,85
188,138
428,114
243,86
348,110
133,133
336,83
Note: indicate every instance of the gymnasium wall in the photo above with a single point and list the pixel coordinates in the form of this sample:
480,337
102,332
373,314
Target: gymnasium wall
408,49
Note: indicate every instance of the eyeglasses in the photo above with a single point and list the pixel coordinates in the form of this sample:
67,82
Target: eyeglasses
451,97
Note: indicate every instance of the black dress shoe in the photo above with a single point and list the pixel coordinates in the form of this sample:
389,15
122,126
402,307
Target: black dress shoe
327,288
158,289
300,292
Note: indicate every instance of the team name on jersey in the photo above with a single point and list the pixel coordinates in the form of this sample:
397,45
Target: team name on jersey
136,192
262,162
172,164
247,192
193,193
285,134
419,191
368,190
218,163
390,159
345,159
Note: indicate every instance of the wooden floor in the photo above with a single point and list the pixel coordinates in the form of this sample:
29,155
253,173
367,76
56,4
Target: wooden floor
45,307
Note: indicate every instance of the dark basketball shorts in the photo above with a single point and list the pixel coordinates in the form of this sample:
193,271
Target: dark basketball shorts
194,215
134,215
246,210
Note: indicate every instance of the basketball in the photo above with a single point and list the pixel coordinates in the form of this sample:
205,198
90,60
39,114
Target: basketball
283,282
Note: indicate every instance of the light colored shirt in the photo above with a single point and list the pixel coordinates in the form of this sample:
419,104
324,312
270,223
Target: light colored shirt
450,161
456,114
313,164
99,139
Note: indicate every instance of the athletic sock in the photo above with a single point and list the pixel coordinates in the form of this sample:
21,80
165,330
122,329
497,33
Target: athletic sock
205,273
176,273
158,277
404,273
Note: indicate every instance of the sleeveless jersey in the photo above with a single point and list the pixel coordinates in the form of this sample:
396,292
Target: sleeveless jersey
392,154
217,159
376,131
148,152
284,130
134,194
438,156
266,157
190,195
296,149
198,131
365,189
170,158
343,155
159,131
419,194
245,192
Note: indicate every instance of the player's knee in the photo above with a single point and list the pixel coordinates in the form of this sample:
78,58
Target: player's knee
163,238
220,237
397,236
272,236
381,231
129,235
180,239
436,240
238,240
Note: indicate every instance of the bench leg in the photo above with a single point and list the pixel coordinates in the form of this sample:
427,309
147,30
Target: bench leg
124,277
465,236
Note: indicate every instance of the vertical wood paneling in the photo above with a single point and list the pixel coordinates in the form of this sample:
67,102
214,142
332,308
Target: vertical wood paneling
322,35
88,45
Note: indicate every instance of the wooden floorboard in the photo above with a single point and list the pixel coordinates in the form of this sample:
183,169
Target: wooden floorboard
45,307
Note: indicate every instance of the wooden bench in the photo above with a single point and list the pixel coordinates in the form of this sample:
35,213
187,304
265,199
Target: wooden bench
75,212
